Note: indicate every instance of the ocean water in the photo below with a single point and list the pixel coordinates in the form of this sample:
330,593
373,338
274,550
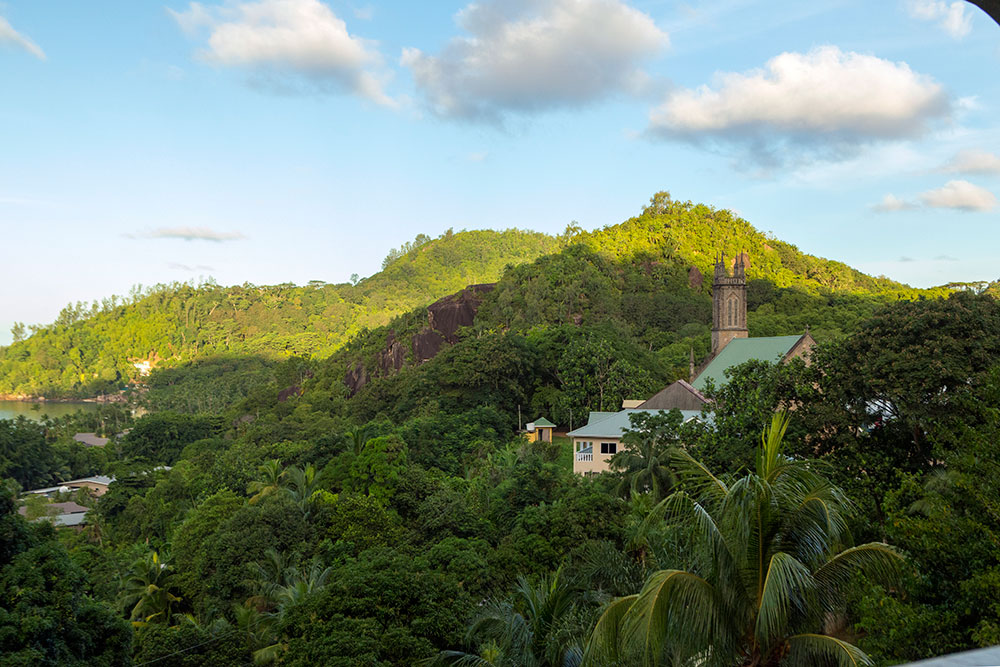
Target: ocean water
13,409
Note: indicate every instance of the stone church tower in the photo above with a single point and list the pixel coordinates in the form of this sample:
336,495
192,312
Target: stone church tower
729,303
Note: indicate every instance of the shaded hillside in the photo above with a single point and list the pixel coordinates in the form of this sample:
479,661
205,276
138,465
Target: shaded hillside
93,349
615,315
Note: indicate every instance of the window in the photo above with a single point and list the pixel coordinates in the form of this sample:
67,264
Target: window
609,447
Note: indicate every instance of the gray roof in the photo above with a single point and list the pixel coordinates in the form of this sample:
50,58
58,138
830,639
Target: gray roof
985,657
90,439
77,519
614,424
56,508
96,479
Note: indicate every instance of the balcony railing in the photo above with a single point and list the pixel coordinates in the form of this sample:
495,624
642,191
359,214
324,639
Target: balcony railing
584,456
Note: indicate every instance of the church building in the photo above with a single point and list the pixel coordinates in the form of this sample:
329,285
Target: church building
731,346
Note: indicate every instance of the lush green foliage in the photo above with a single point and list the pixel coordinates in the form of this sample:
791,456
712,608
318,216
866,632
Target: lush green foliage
47,616
93,349
302,524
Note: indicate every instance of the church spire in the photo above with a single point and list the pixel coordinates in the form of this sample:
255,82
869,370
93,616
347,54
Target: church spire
729,302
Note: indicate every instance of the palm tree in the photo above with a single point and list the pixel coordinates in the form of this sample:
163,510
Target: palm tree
358,437
537,628
768,560
270,482
279,587
302,483
146,591
645,459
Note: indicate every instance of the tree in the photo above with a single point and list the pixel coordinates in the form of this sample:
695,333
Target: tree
645,460
18,331
47,617
146,591
536,628
272,474
767,561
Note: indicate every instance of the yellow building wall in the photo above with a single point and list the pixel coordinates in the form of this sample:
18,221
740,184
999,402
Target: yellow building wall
595,462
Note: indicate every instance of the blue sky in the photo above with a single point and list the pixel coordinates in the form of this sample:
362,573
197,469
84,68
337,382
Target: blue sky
272,141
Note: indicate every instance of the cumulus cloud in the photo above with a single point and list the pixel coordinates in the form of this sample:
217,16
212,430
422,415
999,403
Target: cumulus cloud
973,161
960,195
188,234
299,37
892,203
826,101
954,17
10,36
525,56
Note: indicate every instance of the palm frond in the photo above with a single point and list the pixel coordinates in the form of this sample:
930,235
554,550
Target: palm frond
674,608
789,588
697,478
769,456
807,650
875,560
605,644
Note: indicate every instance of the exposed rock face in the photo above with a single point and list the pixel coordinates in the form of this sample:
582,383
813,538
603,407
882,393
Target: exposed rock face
444,319
447,315
289,392
392,356
695,279
427,344
356,378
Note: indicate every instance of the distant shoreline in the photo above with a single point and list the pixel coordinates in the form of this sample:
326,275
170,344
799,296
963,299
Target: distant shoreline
104,398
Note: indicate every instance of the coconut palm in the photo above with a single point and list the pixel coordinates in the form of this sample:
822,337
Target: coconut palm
302,483
357,437
768,560
645,460
536,628
279,587
271,477
146,591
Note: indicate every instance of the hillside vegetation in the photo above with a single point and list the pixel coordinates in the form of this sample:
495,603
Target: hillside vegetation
272,513
92,349
650,274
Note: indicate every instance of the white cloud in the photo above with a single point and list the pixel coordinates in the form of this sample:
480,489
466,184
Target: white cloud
188,234
10,36
891,203
366,13
524,56
177,266
973,161
826,101
301,37
952,17
477,157
960,195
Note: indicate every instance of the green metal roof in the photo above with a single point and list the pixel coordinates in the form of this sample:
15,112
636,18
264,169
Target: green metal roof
616,423
543,422
740,351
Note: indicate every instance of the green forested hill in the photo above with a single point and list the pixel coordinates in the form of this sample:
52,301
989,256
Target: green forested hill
637,274
267,512
92,349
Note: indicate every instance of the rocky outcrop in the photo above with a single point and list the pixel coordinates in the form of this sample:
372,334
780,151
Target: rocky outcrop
445,318
356,378
695,279
392,356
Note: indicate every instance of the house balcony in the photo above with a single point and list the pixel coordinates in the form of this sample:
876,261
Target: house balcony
584,456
